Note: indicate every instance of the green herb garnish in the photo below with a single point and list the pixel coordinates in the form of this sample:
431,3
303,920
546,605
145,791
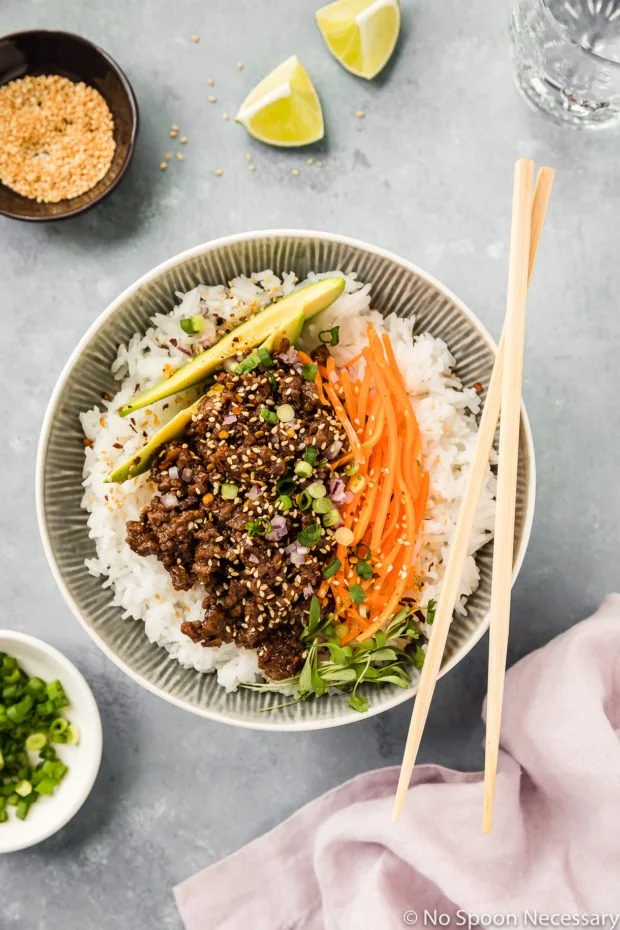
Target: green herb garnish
364,570
357,593
309,371
431,610
386,658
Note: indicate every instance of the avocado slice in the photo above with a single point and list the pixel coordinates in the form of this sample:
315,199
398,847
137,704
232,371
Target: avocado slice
290,330
141,461
308,300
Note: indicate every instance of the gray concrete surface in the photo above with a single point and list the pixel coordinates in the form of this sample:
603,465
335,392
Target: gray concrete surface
426,173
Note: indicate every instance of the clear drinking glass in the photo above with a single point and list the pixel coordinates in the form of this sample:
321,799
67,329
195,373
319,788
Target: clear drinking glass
567,58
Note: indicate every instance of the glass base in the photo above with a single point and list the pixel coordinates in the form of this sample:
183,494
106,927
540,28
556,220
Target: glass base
551,99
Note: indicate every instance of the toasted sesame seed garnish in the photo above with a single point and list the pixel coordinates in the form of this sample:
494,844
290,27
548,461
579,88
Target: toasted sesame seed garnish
295,171
240,66
173,133
212,98
210,82
218,172
310,161
163,165
360,114
183,140
195,38
180,156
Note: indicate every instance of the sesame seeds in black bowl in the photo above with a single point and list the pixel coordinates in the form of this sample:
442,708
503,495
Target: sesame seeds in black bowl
68,125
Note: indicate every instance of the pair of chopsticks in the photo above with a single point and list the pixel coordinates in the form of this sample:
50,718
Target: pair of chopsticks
529,208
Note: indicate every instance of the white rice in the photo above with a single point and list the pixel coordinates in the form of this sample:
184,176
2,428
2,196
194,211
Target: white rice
142,586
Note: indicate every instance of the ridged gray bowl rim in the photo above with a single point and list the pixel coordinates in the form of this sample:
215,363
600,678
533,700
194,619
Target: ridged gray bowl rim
50,413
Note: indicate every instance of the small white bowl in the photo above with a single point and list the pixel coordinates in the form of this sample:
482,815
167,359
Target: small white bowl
52,812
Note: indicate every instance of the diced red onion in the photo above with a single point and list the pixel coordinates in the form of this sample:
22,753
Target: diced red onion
229,418
290,356
296,553
333,377
333,450
308,591
187,474
253,558
348,496
279,528
174,473
169,500
337,490
254,492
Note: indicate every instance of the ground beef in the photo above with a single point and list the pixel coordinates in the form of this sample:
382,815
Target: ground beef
254,595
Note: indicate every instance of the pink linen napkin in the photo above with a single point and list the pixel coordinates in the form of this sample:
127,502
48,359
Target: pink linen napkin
340,864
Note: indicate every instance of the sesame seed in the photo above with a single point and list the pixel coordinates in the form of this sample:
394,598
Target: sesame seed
183,140
295,171
210,82
212,99
180,156
219,172
173,133
225,116
240,66
360,114
195,38
163,165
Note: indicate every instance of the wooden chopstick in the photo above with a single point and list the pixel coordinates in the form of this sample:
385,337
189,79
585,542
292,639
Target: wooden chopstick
521,250
462,535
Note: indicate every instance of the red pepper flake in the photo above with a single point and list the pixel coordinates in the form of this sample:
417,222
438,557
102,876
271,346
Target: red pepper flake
117,445
88,443
478,387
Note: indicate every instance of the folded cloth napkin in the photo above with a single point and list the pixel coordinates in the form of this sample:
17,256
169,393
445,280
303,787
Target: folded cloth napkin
341,864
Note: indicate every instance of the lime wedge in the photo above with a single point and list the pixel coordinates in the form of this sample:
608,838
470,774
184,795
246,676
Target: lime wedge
361,34
284,109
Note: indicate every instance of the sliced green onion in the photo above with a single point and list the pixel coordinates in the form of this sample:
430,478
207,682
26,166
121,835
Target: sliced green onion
311,454
249,363
344,536
322,505
229,491
333,567
265,357
332,517
285,485
357,593
285,413
351,468
259,527
330,336
269,415
74,734
304,469
193,324
23,789
285,502
310,535
304,501
317,489
35,742
309,371
357,483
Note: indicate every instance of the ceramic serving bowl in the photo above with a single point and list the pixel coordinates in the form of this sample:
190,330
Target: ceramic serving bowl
398,286
52,812
43,51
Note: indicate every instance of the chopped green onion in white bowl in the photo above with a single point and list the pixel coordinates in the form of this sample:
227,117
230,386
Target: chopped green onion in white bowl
75,732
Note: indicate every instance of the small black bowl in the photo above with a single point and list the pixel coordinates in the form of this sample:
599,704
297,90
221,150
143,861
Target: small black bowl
45,52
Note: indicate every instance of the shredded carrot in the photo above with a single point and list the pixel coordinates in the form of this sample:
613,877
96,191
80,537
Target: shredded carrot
387,512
